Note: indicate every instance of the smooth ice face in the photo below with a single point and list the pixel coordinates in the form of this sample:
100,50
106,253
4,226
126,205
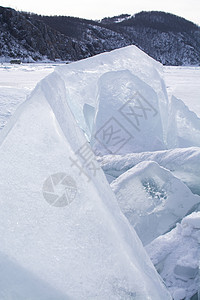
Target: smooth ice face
81,79
60,225
152,199
183,126
183,163
127,117
89,114
176,256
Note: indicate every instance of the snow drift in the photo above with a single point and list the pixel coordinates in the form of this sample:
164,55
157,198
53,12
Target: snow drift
176,256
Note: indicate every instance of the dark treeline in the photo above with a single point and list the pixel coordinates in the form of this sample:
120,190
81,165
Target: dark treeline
170,39
161,21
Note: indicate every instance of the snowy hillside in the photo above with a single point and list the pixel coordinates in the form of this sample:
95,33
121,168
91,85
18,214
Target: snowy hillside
170,39
92,170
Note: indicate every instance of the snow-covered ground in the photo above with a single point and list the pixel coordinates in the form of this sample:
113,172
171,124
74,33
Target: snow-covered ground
176,257
66,233
16,82
184,83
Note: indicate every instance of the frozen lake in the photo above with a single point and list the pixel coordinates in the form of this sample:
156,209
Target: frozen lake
184,83
17,81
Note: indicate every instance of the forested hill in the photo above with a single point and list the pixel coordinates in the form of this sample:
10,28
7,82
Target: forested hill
170,39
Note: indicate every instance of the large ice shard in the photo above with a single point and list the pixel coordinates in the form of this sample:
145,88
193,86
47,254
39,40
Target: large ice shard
183,126
81,79
62,233
128,117
184,163
152,199
176,256
89,113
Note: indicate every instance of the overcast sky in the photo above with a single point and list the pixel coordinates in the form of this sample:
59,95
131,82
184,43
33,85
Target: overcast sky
97,9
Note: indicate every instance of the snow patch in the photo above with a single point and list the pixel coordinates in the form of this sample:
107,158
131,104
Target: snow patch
176,256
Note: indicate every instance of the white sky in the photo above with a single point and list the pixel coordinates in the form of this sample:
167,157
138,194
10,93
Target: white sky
97,9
